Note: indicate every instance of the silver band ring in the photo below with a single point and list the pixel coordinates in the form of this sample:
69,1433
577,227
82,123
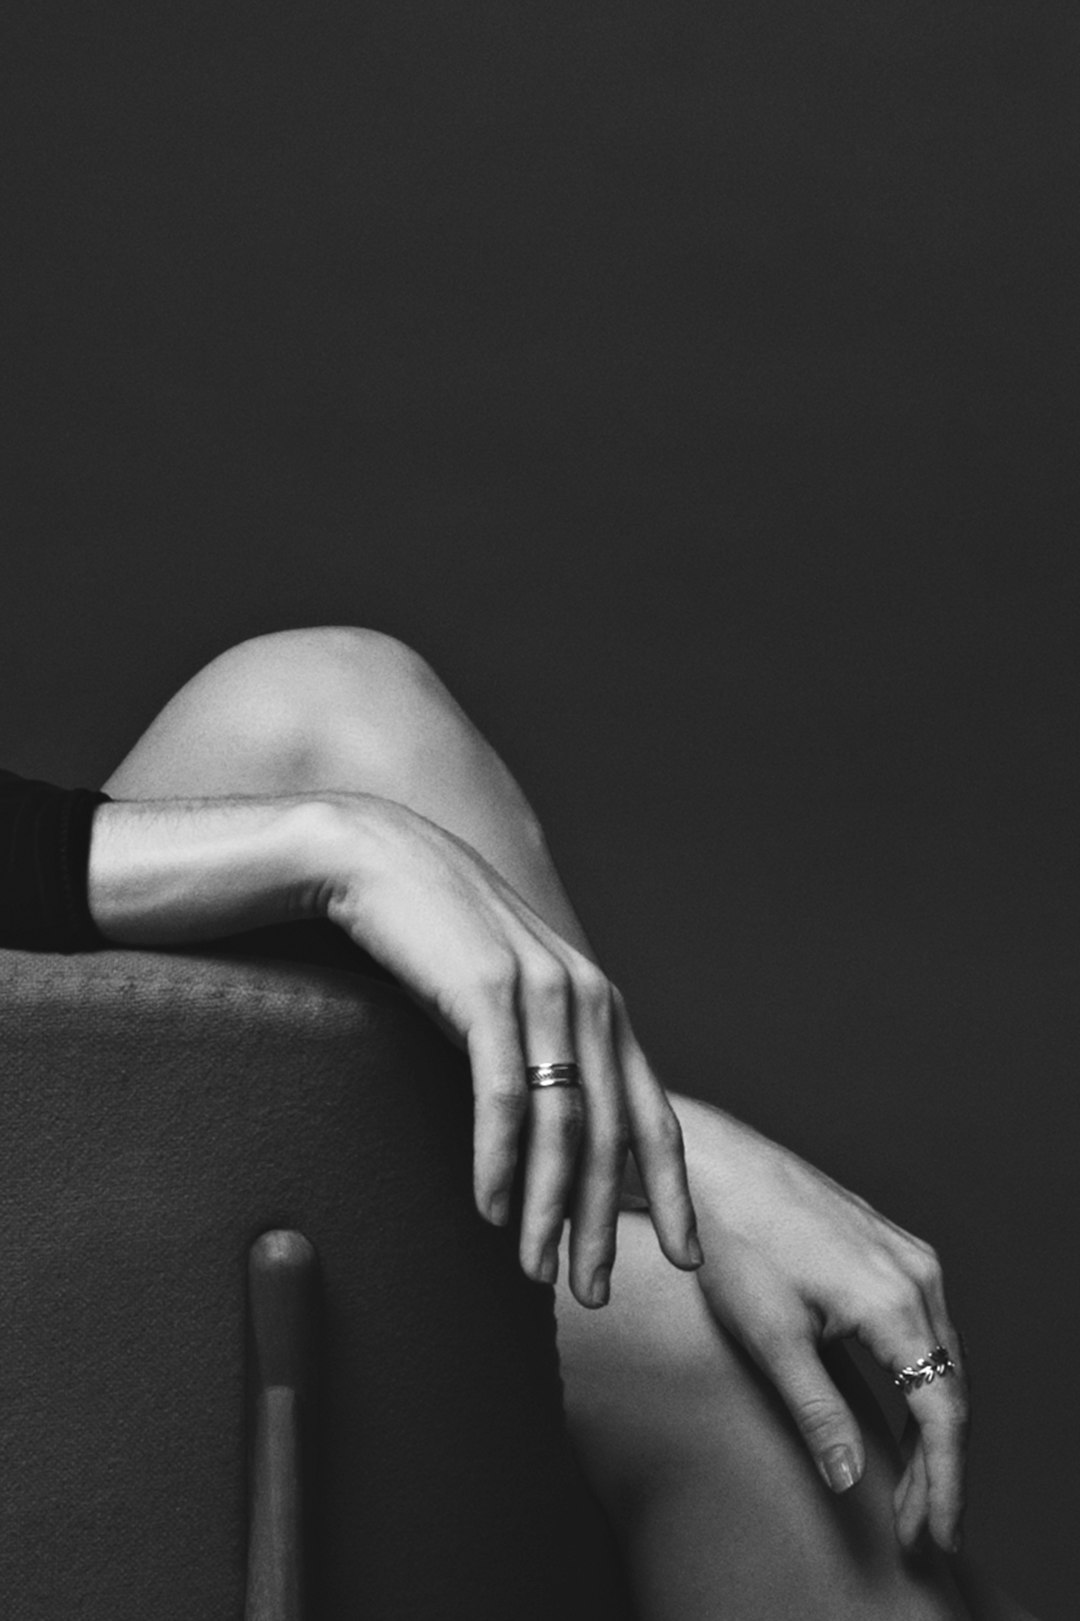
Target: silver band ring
934,1365
538,1076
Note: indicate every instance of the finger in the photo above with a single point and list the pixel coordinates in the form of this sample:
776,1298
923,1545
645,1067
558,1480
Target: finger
946,1476
899,1338
556,1116
943,1464
927,1271
556,1122
657,1145
940,1410
604,1147
500,1106
824,1419
900,1493
911,1507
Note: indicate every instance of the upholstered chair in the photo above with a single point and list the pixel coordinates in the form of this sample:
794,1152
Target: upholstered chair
159,1111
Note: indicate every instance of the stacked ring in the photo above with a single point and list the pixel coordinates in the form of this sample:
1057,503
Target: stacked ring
934,1365
541,1075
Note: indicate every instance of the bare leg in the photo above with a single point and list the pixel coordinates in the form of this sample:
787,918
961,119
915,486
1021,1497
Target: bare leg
352,710
721,1512
717,1506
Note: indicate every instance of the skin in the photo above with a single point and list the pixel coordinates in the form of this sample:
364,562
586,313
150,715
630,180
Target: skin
329,774
718,1509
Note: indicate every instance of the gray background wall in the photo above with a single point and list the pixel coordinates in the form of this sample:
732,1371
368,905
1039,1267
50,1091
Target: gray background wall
696,386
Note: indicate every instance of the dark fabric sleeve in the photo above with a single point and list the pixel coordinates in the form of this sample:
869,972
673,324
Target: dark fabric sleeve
44,855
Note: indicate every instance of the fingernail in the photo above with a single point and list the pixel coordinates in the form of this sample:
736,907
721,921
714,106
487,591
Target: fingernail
838,1468
697,1254
499,1209
548,1270
600,1288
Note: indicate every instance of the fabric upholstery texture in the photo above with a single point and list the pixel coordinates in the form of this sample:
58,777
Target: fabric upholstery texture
158,1111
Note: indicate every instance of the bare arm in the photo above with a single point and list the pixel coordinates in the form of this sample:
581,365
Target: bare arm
486,966
166,872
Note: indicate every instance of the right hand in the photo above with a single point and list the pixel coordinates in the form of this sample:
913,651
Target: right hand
796,1262
513,992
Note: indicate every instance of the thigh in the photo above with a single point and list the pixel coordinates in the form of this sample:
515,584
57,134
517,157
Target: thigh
720,1512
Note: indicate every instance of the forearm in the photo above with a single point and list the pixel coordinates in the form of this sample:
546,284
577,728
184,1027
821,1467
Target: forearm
166,872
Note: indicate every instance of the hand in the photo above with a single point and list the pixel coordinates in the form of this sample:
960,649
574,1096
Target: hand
503,983
512,992
794,1261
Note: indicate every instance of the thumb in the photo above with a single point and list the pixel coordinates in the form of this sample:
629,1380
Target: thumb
824,1419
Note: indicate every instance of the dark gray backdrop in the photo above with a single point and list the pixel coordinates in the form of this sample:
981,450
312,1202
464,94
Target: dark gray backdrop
695,384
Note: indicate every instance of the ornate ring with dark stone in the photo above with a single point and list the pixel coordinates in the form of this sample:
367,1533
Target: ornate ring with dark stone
934,1365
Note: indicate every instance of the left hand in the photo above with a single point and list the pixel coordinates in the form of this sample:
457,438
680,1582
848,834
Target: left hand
512,992
792,1262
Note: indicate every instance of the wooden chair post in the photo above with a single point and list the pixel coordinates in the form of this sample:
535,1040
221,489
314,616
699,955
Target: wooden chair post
282,1279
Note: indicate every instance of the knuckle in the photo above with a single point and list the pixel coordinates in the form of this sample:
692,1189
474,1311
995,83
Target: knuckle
928,1268
599,1249
495,978
615,1004
818,1418
920,1261
903,1303
592,990
548,982
875,1304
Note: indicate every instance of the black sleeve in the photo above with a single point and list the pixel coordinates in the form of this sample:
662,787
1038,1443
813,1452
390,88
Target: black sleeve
44,855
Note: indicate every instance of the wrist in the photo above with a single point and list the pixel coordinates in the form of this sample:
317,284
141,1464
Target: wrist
310,854
336,844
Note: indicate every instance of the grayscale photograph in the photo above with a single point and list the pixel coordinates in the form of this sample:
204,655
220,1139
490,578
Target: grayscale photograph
539,809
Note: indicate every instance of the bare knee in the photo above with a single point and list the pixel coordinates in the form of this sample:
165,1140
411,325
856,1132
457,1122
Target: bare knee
340,707
283,713
330,707
341,655
292,672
